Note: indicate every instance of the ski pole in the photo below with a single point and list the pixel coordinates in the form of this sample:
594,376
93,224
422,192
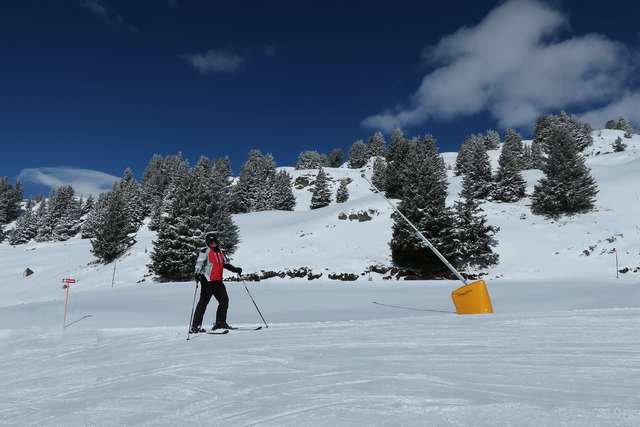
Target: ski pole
254,303
193,306
420,235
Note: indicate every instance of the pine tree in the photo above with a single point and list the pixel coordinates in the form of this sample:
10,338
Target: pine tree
396,140
396,163
253,192
175,249
218,204
509,184
321,195
283,198
545,127
463,162
537,158
358,155
311,160
26,228
88,205
527,158
10,200
567,187
492,140
132,193
376,145
618,145
94,217
423,203
154,183
112,237
473,238
335,157
514,139
379,178
343,191
477,180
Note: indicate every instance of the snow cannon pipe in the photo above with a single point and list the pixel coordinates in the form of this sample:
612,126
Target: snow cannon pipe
422,237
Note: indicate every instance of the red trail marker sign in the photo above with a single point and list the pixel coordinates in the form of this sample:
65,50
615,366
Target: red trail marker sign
67,283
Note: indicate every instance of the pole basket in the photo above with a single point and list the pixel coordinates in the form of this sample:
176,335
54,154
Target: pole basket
472,299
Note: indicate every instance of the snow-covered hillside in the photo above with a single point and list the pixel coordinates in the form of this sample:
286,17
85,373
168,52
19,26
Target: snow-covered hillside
561,349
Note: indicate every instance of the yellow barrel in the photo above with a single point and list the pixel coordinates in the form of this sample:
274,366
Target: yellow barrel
472,299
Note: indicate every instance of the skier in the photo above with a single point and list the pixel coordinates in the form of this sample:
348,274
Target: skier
209,266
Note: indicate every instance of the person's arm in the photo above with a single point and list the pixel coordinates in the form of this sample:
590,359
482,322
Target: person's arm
231,267
202,258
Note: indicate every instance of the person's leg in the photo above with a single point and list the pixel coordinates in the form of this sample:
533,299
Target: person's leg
206,291
220,292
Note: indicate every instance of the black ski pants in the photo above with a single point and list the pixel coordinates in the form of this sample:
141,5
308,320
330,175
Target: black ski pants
207,289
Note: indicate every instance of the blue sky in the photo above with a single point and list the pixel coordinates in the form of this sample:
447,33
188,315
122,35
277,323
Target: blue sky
101,85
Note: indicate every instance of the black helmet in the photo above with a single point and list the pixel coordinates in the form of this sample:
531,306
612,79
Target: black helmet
210,237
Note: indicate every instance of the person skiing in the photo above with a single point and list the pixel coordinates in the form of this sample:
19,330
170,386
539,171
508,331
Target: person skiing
209,267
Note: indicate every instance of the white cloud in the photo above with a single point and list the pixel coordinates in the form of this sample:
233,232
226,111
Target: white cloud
84,181
515,65
109,17
214,61
628,106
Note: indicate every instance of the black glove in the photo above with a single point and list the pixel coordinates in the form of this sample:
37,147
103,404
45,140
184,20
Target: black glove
239,271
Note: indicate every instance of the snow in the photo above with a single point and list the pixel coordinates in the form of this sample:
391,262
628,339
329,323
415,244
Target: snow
561,349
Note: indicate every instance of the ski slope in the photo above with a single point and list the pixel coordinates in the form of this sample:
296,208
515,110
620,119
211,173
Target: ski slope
562,348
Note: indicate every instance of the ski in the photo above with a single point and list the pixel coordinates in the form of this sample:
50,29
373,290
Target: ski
244,328
218,332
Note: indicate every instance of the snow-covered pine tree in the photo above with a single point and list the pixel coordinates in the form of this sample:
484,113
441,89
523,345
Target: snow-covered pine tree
219,202
173,168
221,181
311,160
283,198
396,162
69,223
567,187
423,203
463,161
26,228
492,140
343,191
477,180
514,139
579,131
473,238
509,184
132,193
10,199
620,124
88,205
112,236
379,178
335,157
358,154
253,192
180,233
154,183
321,195
618,145
537,157
395,141
376,145
94,217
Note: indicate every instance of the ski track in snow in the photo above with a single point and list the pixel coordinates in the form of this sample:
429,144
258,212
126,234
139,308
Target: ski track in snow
569,367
